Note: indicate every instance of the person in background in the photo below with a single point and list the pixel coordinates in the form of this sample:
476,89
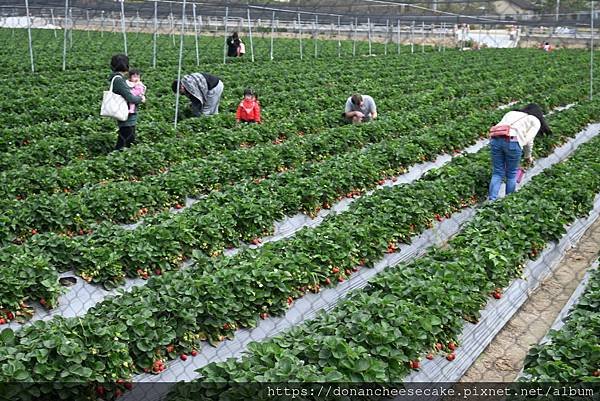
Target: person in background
233,45
546,47
204,91
119,64
136,85
511,138
360,108
248,110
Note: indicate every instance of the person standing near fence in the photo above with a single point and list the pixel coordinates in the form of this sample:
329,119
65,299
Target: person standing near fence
204,91
511,138
233,45
119,64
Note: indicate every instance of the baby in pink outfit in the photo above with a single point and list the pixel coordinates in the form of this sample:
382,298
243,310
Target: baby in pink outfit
137,87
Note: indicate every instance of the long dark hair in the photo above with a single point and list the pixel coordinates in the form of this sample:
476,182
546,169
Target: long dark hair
535,110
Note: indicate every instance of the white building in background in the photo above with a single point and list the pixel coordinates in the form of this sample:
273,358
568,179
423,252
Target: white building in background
524,9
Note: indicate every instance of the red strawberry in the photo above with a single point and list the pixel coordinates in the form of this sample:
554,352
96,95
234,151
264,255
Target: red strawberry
170,348
381,182
438,217
120,381
414,364
10,316
226,326
178,206
348,272
340,279
363,262
183,357
327,280
355,269
81,232
290,300
429,356
100,390
256,241
43,301
596,373
497,294
335,270
146,370
264,315
2,320
450,357
34,231
439,346
128,385
451,345
194,352
158,272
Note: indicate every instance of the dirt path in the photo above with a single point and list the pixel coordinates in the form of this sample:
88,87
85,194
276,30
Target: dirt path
503,359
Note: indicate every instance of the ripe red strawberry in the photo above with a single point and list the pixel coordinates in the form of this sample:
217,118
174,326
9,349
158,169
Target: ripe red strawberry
596,373
451,357
256,241
381,182
355,269
335,270
497,294
178,206
10,316
43,301
264,315
2,320
429,356
438,217
439,346
120,381
34,231
128,385
226,326
194,352
363,262
100,390
170,348
451,346
290,300
158,272
415,364
81,232
348,272
327,280
340,279
183,357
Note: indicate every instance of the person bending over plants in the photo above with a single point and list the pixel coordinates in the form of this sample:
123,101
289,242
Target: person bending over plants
204,91
359,108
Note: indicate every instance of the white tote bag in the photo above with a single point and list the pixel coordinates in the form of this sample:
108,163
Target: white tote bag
114,105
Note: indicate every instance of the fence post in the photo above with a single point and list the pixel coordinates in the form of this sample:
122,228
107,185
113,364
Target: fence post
180,62
53,22
387,35
339,31
250,33
225,30
29,35
412,37
398,38
87,19
369,34
354,37
71,30
64,66
196,33
155,34
123,26
300,33
316,35
102,23
272,34
423,37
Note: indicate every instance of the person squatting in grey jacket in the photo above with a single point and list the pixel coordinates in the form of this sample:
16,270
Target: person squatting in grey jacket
204,91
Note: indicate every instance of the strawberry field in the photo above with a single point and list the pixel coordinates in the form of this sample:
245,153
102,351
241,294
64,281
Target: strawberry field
348,253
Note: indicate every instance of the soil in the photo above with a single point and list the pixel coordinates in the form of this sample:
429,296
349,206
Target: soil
503,359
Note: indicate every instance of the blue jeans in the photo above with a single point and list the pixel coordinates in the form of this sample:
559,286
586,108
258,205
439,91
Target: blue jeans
506,156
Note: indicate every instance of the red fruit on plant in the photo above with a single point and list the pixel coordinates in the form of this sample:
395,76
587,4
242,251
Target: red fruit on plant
183,357
335,270
290,300
415,364
327,280
34,231
438,217
348,272
381,182
100,390
256,241
158,272
10,316
120,381
450,357
451,345
264,315
497,294
81,232
128,385
194,352
170,348
429,356
226,326
43,301
178,206
439,346
355,269
340,279
2,320
596,373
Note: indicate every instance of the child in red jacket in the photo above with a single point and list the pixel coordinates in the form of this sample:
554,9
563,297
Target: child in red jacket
249,109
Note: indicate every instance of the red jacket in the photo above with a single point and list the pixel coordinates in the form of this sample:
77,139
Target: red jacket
248,110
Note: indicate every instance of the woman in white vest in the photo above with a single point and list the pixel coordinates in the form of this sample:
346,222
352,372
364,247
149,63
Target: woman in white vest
511,138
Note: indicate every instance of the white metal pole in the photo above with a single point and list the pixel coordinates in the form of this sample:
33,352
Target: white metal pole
155,35
180,63
196,33
250,33
87,18
316,35
65,28
412,37
592,51
300,34
443,37
354,37
398,38
272,34
102,23
29,35
172,23
423,37
53,21
339,32
369,34
225,40
123,26
71,30
387,35
557,9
